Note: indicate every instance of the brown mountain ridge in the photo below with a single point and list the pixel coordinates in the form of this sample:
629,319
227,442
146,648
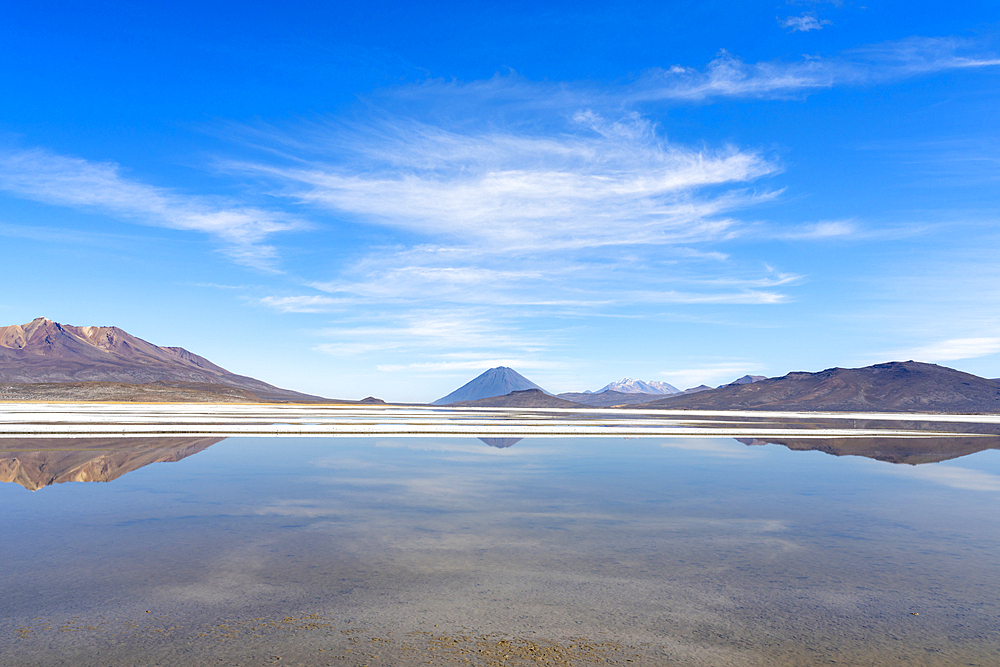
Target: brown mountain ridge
47,352
897,386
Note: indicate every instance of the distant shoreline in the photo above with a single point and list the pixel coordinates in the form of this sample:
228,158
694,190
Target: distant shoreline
21,419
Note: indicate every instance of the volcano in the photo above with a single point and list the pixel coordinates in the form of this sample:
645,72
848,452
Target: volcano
498,381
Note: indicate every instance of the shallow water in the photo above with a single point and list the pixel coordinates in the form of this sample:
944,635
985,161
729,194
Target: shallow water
400,551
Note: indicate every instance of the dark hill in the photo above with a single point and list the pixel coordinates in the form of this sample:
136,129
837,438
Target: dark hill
608,398
897,386
528,398
43,351
747,379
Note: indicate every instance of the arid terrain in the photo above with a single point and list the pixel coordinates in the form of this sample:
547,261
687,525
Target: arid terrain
898,386
46,352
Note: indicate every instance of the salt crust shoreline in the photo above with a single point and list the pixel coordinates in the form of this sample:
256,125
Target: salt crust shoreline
19,419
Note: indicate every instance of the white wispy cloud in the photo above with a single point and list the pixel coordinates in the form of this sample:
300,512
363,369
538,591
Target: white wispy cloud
512,211
471,365
555,291
384,278
581,174
63,235
728,76
803,23
733,297
709,374
817,231
514,218
952,349
596,183
353,349
304,303
462,333
47,177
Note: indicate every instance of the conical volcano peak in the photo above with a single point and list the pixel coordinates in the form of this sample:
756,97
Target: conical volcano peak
498,381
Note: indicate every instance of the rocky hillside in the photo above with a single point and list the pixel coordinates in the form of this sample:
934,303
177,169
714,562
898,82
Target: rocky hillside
898,386
43,351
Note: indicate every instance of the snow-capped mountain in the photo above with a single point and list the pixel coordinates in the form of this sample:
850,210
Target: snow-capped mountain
630,386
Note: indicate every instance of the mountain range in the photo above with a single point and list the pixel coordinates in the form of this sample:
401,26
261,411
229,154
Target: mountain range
897,386
46,352
630,386
45,360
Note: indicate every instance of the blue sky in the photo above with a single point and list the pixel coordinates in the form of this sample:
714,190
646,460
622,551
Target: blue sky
386,199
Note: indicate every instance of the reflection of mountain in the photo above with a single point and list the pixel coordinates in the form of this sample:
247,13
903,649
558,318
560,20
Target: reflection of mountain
35,463
501,443
913,451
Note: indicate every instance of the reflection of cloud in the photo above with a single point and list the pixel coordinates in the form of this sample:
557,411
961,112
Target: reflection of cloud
305,509
451,448
341,463
953,476
711,446
226,581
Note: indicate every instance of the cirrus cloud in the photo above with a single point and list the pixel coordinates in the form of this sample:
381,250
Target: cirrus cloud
61,180
804,23
597,183
955,348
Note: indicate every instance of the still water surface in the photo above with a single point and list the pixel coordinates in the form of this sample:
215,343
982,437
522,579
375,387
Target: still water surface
561,551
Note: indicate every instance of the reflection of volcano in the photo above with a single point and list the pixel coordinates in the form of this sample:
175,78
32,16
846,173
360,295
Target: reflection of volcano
35,463
500,443
913,451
